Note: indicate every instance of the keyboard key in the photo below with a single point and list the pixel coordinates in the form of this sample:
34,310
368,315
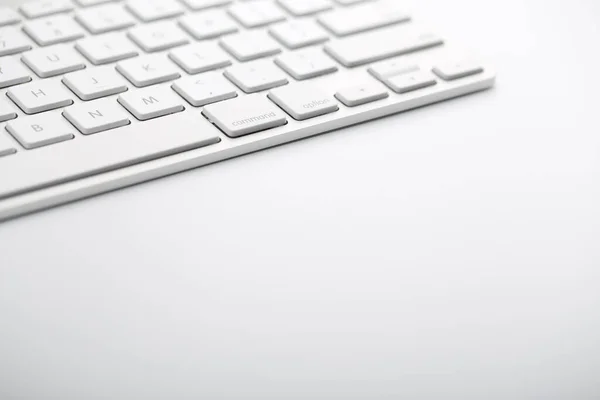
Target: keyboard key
158,36
200,57
205,89
411,81
245,115
349,2
97,116
39,96
8,16
364,17
12,41
12,72
301,8
255,13
6,111
151,102
303,101
129,145
52,30
94,83
53,60
300,33
256,76
305,64
353,96
88,3
388,68
42,8
104,18
379,45
40,130
204,4
456,70
152,10
106,49
148,70
208,24
250,45
6,146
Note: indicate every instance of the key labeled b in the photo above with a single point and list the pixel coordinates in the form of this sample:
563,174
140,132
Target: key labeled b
40,130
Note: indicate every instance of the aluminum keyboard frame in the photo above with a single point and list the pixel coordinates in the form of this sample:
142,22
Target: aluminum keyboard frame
232,147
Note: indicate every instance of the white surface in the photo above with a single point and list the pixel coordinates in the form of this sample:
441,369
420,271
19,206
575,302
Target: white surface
450,252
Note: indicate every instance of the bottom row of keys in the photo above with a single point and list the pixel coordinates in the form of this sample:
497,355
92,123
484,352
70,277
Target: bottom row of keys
235,117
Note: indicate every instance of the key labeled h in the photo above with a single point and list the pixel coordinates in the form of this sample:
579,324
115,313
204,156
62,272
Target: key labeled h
39,92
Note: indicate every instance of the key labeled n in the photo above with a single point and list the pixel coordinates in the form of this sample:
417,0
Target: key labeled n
95,114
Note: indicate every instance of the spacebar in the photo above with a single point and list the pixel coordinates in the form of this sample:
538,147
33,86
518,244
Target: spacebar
105,151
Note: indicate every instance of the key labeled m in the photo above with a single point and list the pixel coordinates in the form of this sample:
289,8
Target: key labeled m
150,100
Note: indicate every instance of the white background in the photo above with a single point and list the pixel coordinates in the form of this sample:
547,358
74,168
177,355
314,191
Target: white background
451,252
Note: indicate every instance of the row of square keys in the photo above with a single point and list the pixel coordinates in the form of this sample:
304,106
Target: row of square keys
60,59
151,69
206,24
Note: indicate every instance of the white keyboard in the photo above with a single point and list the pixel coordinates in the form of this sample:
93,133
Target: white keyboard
97,94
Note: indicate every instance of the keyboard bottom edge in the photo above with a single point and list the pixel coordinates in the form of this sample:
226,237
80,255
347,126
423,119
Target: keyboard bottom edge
71,191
